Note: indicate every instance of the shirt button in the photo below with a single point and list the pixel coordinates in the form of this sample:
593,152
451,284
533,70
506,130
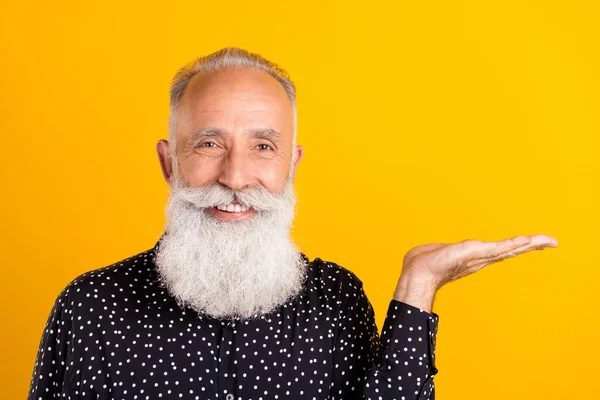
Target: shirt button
229,397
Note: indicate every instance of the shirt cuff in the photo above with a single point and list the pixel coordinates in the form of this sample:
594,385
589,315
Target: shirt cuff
410,330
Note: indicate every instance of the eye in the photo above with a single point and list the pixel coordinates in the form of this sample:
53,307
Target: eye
207,144
264,146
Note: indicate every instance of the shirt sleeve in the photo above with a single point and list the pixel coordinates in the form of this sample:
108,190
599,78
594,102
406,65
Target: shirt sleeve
50,372
399,365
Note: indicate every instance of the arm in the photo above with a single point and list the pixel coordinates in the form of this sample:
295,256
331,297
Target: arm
366,367
49,379
400,365
407,354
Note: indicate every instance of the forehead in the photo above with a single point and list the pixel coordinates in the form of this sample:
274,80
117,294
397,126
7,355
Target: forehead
235,98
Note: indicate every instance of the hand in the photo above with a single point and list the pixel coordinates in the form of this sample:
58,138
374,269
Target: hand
428,267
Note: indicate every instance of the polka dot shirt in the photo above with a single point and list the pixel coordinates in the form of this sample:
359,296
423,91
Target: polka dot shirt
116,333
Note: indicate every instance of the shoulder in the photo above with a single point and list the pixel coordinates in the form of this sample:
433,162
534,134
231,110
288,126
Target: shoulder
334,280
118,278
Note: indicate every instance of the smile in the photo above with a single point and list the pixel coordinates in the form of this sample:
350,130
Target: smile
231,212
232,208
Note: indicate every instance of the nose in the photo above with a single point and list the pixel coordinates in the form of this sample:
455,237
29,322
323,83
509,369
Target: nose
236,171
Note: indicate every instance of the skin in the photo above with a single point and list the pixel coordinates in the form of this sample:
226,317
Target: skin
428,267
235,127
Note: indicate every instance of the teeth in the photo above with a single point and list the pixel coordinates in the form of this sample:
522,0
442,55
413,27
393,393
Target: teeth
232,207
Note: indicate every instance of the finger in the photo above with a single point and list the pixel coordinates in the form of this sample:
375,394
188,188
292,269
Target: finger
512,246
482,250
543,240
515,252
478,264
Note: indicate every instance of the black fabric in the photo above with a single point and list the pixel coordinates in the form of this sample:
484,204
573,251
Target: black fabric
116,333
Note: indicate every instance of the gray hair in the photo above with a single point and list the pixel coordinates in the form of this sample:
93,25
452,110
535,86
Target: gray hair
225,58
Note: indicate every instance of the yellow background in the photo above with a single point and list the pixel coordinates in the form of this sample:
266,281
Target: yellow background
422,122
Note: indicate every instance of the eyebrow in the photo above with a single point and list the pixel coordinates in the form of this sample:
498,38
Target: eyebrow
266,133
204,133
261,133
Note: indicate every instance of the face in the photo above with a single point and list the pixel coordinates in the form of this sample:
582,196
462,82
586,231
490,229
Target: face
235,128
227,250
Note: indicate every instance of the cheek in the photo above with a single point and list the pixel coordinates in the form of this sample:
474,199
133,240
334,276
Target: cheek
273,175
197,172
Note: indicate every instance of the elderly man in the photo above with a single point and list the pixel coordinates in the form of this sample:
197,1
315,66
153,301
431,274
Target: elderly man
225,305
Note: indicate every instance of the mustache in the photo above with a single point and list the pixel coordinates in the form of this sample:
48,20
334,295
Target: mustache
257,197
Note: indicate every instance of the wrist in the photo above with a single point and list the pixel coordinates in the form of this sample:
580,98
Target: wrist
417,291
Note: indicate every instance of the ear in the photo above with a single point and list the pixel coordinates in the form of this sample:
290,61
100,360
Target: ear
299,152
164,157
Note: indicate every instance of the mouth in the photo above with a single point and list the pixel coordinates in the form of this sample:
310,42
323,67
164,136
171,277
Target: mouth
231,212
232,207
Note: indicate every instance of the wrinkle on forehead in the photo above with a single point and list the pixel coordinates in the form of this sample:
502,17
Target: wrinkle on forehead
231,95
236,83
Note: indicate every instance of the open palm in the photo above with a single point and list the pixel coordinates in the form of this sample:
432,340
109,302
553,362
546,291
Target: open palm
446,262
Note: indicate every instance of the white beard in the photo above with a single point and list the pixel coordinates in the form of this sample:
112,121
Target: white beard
230,269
